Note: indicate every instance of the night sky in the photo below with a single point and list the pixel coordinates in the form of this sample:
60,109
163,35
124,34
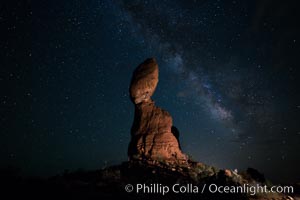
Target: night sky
228,76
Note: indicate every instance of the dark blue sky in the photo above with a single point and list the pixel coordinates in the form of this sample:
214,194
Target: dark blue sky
228,76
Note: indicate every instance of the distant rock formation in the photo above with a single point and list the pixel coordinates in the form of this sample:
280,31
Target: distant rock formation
152,135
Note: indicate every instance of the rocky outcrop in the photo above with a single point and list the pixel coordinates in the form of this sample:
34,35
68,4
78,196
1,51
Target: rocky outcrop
152,135
144,81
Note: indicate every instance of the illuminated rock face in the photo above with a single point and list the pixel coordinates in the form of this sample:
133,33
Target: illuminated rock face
144,81
151,132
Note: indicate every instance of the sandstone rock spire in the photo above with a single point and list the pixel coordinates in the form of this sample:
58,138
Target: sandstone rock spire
151,132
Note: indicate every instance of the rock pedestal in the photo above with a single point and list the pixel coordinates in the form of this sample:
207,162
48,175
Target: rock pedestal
151,132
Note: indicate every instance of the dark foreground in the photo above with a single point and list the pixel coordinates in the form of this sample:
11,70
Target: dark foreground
154,180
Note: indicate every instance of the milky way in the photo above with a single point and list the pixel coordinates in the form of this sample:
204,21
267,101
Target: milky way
228,76
223,74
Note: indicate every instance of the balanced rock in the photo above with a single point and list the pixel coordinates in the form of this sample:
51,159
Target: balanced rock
152,135
144,81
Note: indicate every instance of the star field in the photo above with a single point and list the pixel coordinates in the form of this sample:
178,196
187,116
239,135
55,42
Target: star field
228,77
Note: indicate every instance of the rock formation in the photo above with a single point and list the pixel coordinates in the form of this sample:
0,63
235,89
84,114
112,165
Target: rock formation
152,135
